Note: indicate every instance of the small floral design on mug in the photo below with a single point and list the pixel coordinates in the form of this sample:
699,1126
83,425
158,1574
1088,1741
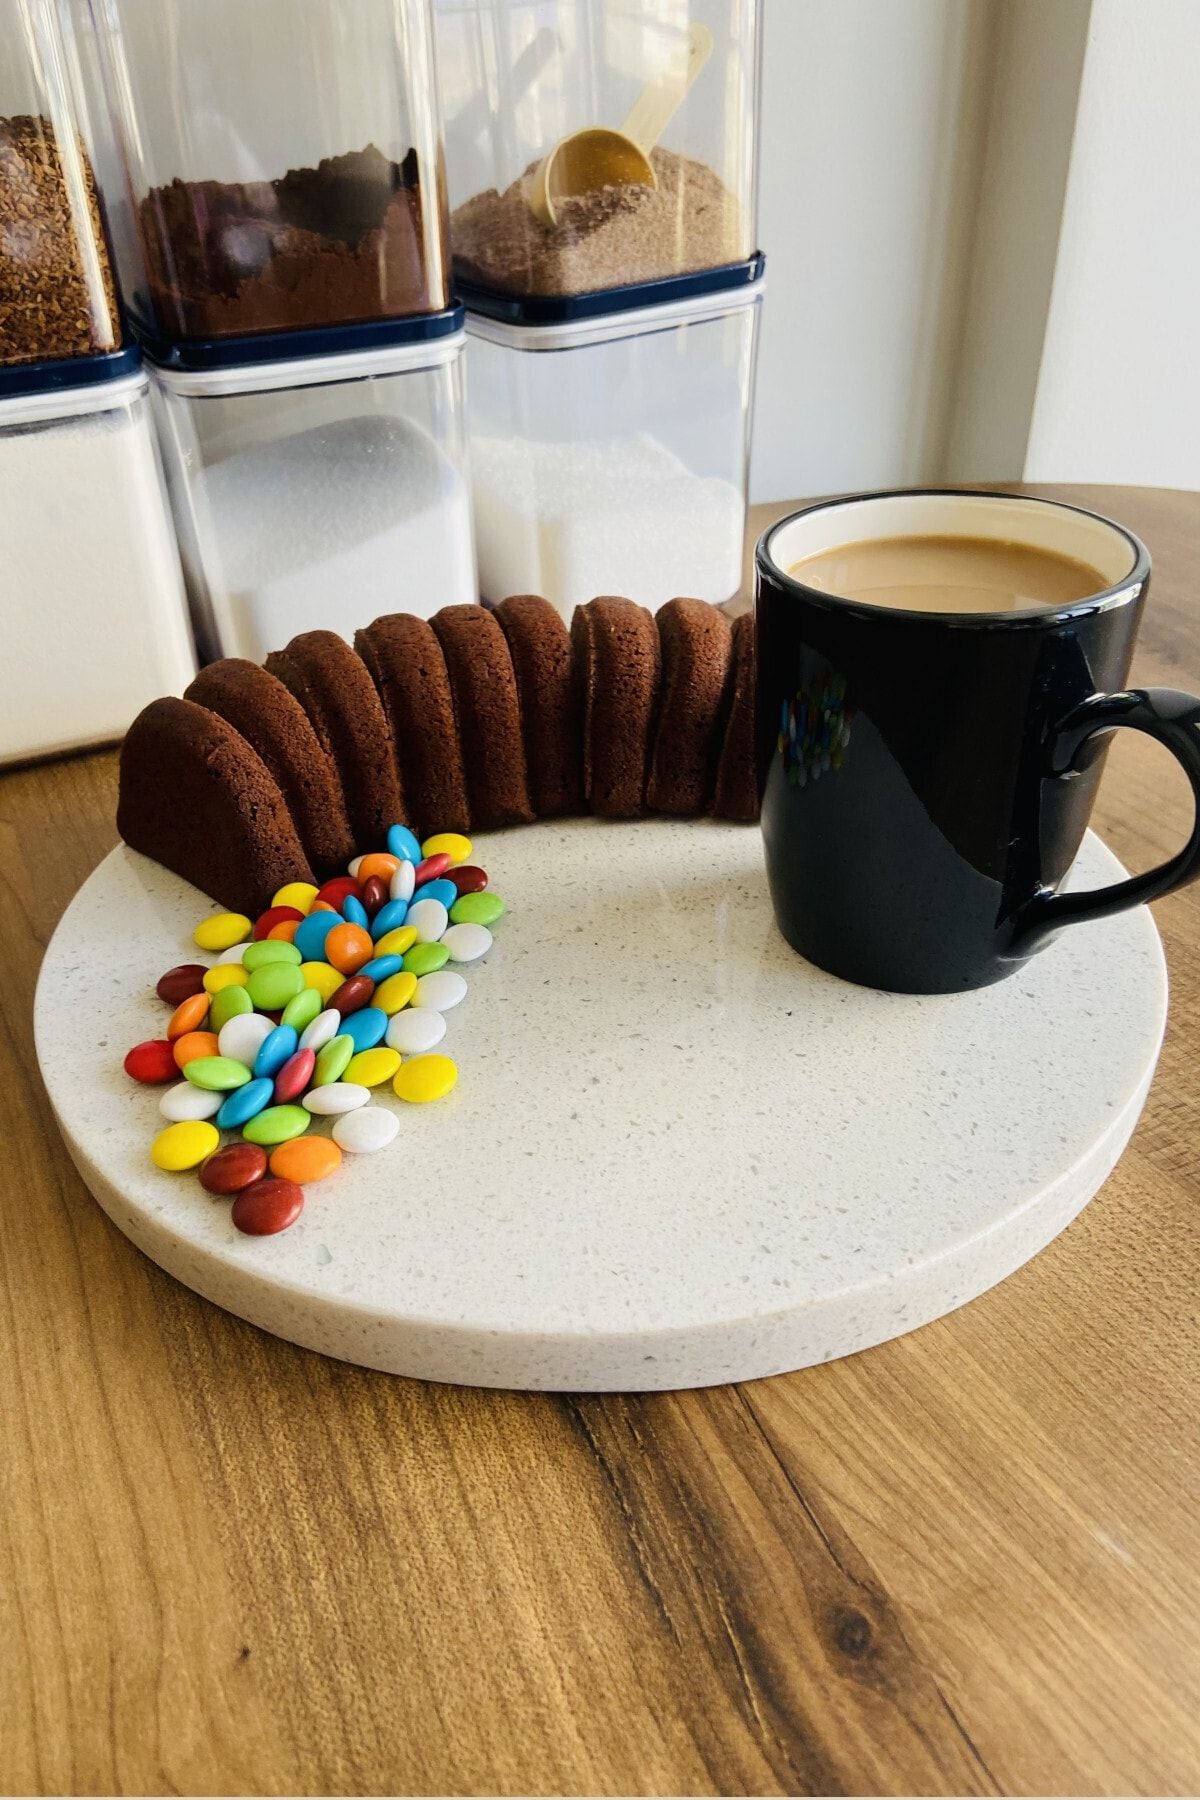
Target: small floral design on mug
814,731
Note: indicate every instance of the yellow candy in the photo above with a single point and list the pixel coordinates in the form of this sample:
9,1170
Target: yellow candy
323,977
299,894
223,976
371,1068
395,943
448,843
222,931
184,1145
396,991
425,1078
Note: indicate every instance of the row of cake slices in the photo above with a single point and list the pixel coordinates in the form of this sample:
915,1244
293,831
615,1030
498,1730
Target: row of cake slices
473,720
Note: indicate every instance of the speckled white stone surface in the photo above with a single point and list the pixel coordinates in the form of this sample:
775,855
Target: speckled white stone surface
676,1154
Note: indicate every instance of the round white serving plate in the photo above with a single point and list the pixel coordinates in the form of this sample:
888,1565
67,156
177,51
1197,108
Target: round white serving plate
676,1155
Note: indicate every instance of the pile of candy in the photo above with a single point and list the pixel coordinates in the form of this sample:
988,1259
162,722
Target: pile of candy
332,992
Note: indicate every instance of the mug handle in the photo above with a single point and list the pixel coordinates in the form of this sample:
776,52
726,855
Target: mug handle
1170,717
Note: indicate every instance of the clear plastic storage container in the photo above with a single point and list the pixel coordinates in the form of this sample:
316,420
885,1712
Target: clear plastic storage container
520,77
323,487
92,612
56,287
283,160
609,455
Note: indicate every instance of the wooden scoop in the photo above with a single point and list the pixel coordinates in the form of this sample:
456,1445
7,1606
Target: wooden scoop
598,158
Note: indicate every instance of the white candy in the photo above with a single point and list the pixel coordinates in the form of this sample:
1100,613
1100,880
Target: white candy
412,1033
354,866
235,953
184,1101
467,943
242,1037
336,1097
372,1128
441,990
322,1029
403,882
428,919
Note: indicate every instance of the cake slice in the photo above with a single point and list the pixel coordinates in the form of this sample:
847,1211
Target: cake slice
617,660
405,662
695,641
487,713
737,791
543,663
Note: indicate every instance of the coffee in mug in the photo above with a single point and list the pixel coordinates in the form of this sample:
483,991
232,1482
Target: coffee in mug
949,574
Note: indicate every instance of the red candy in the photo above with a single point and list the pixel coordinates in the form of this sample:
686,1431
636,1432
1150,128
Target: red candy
276,915
468,879
153,1061
336,890
181,982
374,894
352,994
431,868
230,1170
294,1076
268,1206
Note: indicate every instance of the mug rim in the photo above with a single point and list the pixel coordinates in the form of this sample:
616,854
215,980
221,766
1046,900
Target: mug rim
1119,593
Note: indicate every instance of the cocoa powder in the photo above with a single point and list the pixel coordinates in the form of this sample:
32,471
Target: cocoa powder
334,245
48,308
609,238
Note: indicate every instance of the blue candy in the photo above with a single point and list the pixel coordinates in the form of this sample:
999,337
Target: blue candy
243,1103
402,843
274,1051
442,890
391,914
312,932
366,1026
354,912
381,967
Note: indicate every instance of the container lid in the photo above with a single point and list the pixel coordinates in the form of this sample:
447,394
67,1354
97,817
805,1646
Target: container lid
317,368
71,386
566,309
205,355
691,309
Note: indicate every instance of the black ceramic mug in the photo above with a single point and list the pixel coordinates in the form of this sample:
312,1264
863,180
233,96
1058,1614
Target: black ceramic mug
928,776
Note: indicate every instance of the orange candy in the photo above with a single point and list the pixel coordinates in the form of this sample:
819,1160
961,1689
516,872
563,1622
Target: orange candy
285,931
193,1044
189,1015
378,863
322,906
347,947
305,1159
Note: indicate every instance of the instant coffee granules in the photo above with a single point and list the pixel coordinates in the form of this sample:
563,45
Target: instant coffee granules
56,287
334,245
609,238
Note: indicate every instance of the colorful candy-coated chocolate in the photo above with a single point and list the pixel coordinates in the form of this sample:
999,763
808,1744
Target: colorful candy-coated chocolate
229,1170
228,1004
299,894
305,1159
336,890
441,990
441,889
181,982
379,866
476,909
319,906
189,1015
332,1059
268,1206
234,954
264,951
467,943
402,843
375,895
244,1103
424,959
431,868
153,1061
369,1129
193,1044
395,992
301,1009
389,916
242,1038
425,1078
395,943
449,843
183,1101
354,992
219,1073
322,1031
225,975
412,1033
354,865
348,947
274,1051
401,886
311,934
380,967
276,1124
184,1144
222,930
366,1028
371,1068
295,1075
355,913
429,919
275,915
468,878
286,930
323,977
335,1097
274,985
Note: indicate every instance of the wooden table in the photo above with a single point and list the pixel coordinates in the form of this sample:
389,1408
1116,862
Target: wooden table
966,1562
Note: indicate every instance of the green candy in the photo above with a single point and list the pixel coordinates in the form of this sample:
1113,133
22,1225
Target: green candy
272,986
302,1010
276,1125
216,1073
423,959
332,1059
226,1005
269,950
477,909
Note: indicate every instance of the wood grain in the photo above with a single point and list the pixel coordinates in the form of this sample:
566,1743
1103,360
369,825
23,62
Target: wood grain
962,1563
